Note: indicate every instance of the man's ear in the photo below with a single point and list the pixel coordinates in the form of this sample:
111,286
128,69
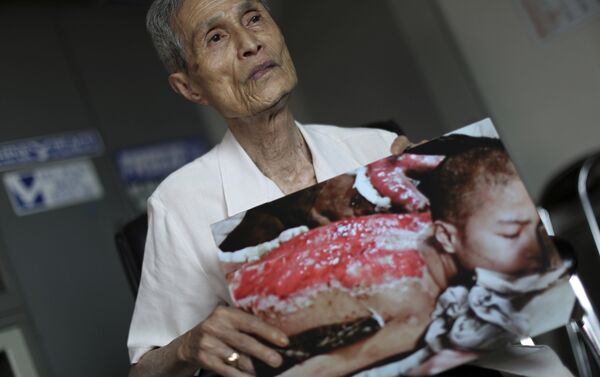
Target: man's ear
182,85
446,235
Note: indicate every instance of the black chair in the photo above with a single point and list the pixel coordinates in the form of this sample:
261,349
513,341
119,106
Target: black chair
388,125
131,240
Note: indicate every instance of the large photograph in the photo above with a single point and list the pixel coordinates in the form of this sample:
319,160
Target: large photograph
410,265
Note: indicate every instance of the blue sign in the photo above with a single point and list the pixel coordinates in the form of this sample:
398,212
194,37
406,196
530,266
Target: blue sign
154,162
49,148
52,186
143,168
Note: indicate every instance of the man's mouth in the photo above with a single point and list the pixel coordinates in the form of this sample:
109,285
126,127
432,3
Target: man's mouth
260,70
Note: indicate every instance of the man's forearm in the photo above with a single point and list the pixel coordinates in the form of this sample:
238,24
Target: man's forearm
163,362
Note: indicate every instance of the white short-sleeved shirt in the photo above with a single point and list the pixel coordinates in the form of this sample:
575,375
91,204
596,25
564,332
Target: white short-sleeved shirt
181,279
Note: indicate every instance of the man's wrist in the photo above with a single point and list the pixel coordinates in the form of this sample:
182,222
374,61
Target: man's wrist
181,355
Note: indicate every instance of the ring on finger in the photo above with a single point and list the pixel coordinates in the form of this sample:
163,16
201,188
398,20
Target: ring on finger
233,358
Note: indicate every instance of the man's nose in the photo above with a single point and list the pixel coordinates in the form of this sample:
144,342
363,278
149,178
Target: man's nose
248,44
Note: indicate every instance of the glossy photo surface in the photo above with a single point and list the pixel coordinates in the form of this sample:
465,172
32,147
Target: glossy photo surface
410,265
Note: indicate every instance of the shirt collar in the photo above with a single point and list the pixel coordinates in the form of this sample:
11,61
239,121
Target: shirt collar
245,186
331,157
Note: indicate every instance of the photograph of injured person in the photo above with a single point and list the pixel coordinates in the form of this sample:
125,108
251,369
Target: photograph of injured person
411,265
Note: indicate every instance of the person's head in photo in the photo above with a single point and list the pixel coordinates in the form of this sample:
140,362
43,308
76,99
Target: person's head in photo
482,213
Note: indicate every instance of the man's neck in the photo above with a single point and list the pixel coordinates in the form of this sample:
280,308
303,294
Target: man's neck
275,144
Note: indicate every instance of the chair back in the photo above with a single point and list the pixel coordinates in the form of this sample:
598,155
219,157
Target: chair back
131,240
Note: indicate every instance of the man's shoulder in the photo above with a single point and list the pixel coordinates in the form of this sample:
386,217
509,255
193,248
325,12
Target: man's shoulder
199,178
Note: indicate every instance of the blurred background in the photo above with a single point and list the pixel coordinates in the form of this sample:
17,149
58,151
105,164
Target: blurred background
89,126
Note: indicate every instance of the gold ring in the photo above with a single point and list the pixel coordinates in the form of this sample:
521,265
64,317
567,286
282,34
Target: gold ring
233,358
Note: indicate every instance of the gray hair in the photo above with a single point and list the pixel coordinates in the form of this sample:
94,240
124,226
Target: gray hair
167,42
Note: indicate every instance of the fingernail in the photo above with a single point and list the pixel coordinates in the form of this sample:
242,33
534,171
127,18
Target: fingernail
284,340
274,360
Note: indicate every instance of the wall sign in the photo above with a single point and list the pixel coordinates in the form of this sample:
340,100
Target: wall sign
49,148
52,186
551,17
142,168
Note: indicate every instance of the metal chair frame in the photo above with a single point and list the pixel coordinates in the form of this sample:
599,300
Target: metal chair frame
583,332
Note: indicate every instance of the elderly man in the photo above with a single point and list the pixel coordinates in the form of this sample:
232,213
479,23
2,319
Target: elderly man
228,54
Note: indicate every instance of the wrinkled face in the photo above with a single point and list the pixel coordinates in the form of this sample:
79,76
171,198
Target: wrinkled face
237,58
501,233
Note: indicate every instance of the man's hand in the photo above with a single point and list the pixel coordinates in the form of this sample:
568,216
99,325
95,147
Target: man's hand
225,331
401,144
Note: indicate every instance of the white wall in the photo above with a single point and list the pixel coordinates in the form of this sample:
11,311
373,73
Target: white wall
544,96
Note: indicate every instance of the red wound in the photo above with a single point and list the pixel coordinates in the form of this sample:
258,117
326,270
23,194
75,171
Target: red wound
353,254
389,178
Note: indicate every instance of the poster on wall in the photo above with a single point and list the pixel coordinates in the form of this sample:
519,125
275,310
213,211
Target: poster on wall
142,168
52,186
410,265
551,17
14,154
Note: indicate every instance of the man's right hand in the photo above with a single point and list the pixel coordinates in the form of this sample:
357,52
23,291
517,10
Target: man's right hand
225,331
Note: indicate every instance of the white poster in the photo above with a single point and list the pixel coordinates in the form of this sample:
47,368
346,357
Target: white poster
53,186
551,17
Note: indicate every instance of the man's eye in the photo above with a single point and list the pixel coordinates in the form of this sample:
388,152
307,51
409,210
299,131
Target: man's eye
511,236
215,38
255,18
